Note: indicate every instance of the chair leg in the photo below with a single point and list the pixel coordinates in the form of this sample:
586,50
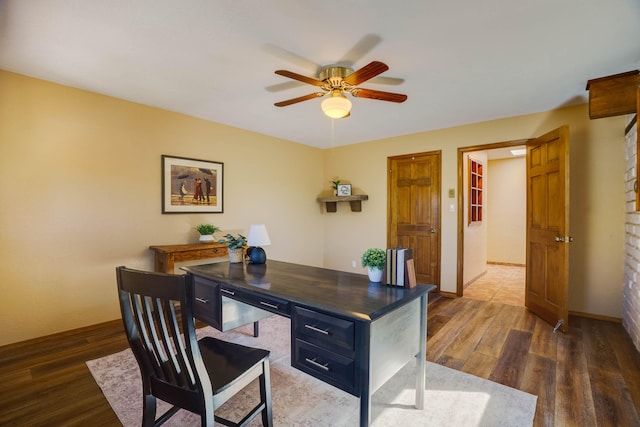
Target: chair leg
265,394
148,410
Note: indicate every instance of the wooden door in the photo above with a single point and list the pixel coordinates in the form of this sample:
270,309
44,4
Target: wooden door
547,280
414,211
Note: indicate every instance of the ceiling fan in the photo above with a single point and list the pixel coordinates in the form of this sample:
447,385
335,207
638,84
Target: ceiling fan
336,81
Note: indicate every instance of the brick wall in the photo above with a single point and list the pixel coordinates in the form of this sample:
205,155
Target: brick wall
631,306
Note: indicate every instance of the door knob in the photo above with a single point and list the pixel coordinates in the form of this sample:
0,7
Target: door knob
433,230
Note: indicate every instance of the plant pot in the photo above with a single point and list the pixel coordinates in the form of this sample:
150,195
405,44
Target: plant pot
206,238
375,274
235,255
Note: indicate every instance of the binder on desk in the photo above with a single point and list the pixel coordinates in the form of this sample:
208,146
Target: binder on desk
400,268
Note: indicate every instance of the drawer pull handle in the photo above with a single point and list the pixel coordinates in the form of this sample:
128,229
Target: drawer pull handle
202,300
275,307
226,291
324,367
313,328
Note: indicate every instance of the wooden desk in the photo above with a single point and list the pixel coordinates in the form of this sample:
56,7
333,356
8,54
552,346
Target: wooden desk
168,255
345,330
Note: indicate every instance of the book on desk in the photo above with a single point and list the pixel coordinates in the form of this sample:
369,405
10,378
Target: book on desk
400,268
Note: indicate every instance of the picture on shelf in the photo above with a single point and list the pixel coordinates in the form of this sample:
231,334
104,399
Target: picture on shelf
344,189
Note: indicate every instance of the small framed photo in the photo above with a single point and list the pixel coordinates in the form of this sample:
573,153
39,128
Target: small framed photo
191,185
344,189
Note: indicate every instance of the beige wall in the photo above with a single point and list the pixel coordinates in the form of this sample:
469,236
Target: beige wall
475,235
597,197
506,211
80,193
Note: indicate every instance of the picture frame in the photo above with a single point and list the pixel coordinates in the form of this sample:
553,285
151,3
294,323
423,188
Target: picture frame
191,185
344,189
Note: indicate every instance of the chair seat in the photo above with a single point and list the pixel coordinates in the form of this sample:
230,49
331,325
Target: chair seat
228,361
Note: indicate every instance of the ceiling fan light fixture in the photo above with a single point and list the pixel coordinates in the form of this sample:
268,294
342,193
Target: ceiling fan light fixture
337,106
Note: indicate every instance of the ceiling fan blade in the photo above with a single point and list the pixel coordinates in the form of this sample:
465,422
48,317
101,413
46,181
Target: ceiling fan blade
360,49
283,86
292,57
379,95
299,77
299,99
391,81
365,73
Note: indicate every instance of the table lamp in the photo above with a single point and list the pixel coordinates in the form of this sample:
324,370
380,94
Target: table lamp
258,236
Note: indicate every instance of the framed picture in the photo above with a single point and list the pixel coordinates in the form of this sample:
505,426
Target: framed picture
344,189
191,185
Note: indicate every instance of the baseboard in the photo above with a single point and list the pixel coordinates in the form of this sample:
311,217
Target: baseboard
448,294
509,264
466,285
596,316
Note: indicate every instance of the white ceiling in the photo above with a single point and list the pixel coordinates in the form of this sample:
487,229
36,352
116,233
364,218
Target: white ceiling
459,61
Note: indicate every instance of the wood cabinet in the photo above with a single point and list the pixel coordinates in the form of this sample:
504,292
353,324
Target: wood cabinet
167,255
613,95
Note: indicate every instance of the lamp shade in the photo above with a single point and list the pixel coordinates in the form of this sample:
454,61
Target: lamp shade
337,106
258,235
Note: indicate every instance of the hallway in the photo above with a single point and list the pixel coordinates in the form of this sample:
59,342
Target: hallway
502,283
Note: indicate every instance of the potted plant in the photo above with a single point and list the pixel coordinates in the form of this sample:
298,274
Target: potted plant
374,259
206,232
236,246
335,182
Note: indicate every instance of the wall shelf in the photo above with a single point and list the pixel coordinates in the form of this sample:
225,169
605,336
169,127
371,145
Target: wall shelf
331,202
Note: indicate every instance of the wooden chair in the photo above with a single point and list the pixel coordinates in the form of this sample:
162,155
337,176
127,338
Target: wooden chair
197,375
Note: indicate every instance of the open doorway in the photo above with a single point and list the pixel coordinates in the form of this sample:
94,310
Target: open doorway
492,220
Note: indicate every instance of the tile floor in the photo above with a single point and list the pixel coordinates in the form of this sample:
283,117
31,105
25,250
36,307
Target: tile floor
501,283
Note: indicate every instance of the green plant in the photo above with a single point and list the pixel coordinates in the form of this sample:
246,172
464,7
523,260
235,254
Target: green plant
374,258
335,183
234,242
205,229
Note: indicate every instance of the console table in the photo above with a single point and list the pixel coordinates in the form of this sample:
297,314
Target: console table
168,255
346,331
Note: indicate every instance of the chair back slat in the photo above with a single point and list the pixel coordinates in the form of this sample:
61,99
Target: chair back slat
158,338
157,313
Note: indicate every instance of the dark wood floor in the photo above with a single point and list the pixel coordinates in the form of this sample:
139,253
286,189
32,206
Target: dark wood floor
589,376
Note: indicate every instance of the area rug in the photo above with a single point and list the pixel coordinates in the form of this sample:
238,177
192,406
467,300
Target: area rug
452,398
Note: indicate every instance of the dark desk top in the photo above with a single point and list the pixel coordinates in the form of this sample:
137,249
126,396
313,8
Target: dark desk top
338,292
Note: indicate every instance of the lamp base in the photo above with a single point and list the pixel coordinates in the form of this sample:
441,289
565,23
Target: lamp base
257,256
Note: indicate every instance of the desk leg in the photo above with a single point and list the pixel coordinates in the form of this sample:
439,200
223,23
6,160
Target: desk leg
365,408
365,380
256,329
422,354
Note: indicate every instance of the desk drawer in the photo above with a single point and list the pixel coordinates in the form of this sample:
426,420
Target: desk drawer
207,305
326,331
325,365
269,303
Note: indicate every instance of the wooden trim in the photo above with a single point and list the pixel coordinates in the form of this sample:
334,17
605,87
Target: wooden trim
611,77
613,95
460,248
595,316
448,294
474,279
509,264
634,119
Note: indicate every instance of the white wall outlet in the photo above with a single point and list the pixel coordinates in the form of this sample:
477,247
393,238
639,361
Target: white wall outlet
353,263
